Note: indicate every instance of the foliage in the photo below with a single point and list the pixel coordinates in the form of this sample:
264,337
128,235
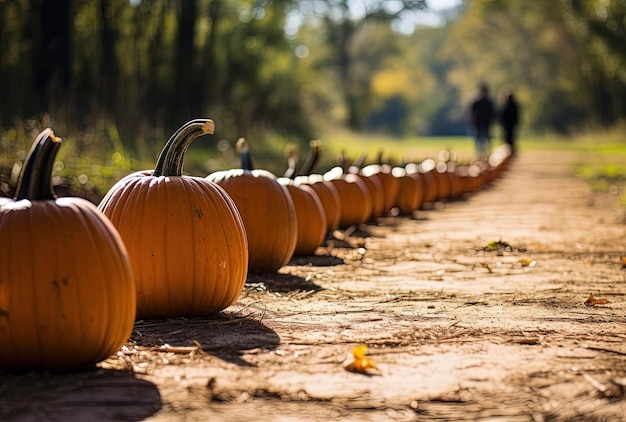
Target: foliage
114,77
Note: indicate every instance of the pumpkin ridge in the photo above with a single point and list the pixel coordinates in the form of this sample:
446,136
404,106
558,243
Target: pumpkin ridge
217,289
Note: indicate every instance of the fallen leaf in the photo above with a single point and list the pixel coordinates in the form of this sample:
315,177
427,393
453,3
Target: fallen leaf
592,301
358,362
527,262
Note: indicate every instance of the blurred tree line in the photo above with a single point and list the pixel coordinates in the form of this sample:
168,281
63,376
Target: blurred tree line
292,69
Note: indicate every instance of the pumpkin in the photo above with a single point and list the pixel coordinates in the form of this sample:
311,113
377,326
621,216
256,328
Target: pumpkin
413,171
444,188
267,211
67,294
310,217
376,190
431,186
325,190
184,234
354,197
410,191
328,196
456,186
389,182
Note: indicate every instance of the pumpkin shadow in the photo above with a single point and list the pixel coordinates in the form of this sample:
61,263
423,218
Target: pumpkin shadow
321,260
88,395
224,335
281,283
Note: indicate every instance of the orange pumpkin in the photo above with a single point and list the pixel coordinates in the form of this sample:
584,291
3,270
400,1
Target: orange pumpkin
389,182
67,294
376,190
184,234
431,186
443,181
355,199
328,196
310,217
267,211
410,191
325,190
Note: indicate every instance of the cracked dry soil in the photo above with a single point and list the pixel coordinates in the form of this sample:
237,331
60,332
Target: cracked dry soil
457,332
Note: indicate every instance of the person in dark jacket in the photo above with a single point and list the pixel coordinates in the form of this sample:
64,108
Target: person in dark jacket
509,118
481,118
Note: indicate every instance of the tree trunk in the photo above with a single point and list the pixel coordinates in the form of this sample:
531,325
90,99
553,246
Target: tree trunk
52,51
184,62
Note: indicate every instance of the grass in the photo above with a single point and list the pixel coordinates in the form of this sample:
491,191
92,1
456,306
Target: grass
96,162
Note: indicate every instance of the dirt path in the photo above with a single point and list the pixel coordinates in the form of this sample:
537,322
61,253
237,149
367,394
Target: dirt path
457,332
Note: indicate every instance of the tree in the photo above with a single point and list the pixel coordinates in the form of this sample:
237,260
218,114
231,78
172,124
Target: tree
51,51
343,24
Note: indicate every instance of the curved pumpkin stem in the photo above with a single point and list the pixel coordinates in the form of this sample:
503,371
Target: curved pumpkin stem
360,160
292,163
35,181
245,154
307,167
170,162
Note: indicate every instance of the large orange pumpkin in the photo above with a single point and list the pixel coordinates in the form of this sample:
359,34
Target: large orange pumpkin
184,234
267,211
67,294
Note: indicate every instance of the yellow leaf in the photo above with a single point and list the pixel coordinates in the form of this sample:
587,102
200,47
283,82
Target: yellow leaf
358,362
527,262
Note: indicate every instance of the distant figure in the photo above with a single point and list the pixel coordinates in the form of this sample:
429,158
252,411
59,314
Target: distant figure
509,118
481,117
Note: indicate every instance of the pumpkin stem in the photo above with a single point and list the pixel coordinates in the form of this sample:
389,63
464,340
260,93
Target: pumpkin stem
35,181
170,162
360,160
309,164
244,154
292,163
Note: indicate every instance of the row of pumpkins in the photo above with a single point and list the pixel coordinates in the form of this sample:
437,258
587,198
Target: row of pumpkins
75,277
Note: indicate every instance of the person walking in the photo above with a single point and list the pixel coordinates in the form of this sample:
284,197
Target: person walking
509,119
481,118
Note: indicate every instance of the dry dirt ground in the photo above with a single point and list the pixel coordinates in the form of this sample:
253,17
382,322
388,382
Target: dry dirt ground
457,332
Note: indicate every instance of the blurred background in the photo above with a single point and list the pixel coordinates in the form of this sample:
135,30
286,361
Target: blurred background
115,78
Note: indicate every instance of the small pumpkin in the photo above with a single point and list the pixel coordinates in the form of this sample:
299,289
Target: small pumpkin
325,190
310,217
375,187
67,293
444,187
267,211
410,191
184,234
412,170
328,196
431,186
390,183
355,199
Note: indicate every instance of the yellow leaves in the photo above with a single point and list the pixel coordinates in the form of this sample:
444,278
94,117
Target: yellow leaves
527,262
358,362
592,301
